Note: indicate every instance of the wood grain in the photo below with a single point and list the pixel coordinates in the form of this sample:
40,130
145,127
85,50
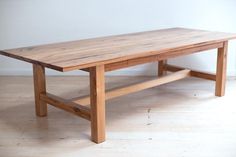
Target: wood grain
159,57
161,69
97,99
39,88
221,70
193,73
71,107
120,91
80,54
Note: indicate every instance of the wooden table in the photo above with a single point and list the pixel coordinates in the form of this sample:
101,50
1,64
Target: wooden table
99,55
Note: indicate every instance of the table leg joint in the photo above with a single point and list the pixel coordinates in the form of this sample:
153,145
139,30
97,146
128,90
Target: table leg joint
193,73
76,109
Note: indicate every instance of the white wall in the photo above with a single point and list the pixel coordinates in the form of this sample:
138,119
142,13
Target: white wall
33,22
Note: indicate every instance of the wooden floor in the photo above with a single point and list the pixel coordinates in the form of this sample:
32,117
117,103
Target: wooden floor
180,119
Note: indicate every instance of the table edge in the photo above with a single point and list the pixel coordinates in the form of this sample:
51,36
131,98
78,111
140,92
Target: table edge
142,54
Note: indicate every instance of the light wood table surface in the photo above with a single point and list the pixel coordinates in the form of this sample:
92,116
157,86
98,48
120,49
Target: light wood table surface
99,55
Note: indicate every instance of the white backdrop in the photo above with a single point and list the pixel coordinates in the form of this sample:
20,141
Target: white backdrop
34,22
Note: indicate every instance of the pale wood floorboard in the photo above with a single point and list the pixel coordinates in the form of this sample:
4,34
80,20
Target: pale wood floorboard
180,119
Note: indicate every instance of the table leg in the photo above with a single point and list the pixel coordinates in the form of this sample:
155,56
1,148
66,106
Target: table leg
221,70
161,70
97,99
39,87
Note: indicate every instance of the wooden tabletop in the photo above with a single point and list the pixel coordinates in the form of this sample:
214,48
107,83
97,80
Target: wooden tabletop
80,54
